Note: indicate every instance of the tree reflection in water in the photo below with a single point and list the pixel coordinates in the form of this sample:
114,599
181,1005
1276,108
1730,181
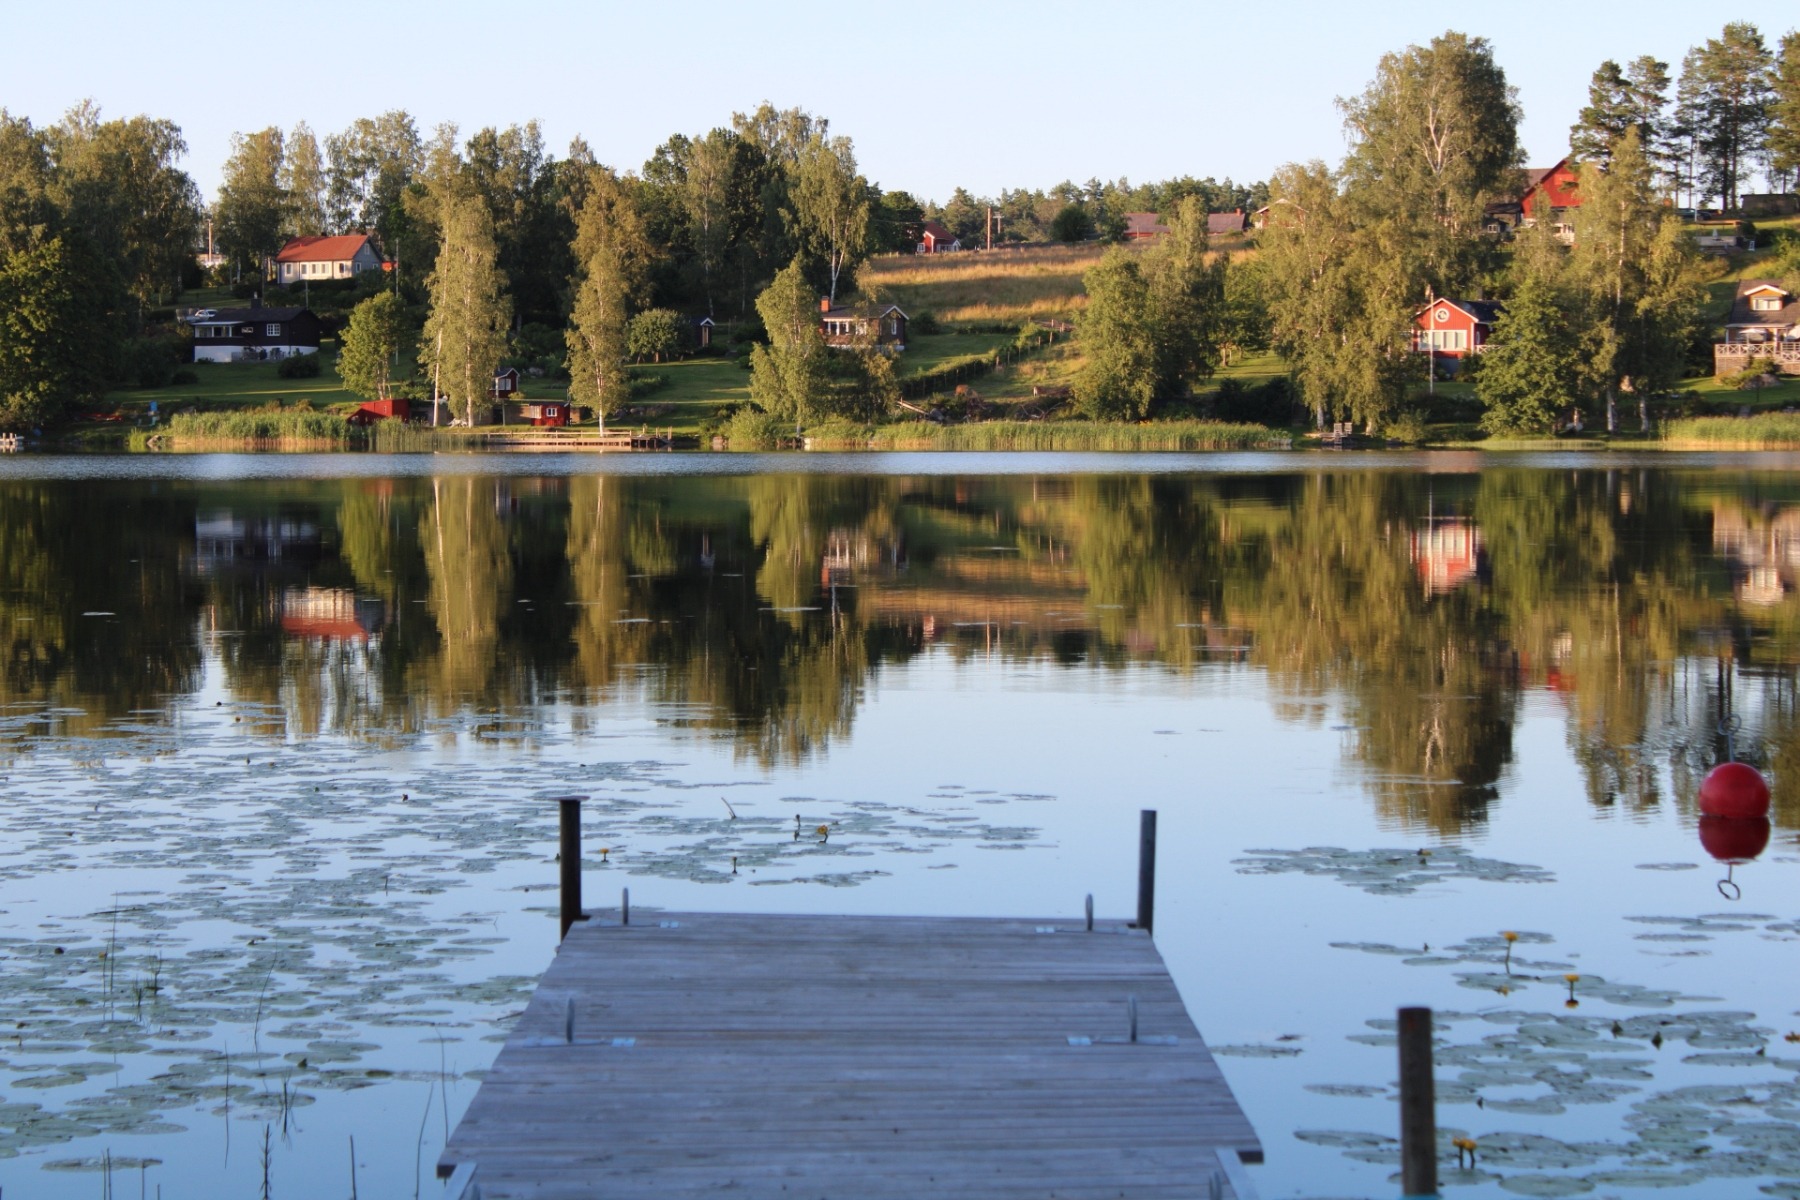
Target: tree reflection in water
1653,606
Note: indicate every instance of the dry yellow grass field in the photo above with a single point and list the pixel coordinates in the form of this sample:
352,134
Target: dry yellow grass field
1009,286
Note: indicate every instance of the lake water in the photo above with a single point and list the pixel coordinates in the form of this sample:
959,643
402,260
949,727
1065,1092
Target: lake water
278,737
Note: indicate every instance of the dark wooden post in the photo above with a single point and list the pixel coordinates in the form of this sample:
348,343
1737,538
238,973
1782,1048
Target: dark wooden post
1418,1106
569,857
1147,870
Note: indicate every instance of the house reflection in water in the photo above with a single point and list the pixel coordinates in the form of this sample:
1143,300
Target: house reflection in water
331,614
222,538
1764,551
1447,552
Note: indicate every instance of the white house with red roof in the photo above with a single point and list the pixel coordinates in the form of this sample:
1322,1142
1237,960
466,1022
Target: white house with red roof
316,259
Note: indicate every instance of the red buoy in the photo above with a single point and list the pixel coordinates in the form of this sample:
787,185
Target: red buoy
1734,789
1734,839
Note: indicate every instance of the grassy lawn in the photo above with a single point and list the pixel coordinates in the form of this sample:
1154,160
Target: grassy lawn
238,385
927,352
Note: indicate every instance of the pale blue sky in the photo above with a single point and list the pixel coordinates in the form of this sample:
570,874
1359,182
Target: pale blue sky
985,95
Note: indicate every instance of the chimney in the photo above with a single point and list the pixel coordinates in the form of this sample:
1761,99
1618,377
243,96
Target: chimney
824,304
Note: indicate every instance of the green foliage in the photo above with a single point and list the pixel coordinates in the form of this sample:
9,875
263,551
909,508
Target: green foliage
832,205
252,212
751,428
654,335
1151,327
466,333
1764,431
1071,224
299,366
1724,101
788,376
1753,374
37,349
1076,435
379,332
1270,403
1532,366
263,425
612,253
1619,99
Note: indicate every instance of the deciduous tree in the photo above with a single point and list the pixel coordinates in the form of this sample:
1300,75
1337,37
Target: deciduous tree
788,376
304,180
379,332
465,335
252,211
831,202
612,258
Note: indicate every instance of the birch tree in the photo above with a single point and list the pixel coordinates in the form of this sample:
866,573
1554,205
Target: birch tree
612,256
831,202
465,334
303,179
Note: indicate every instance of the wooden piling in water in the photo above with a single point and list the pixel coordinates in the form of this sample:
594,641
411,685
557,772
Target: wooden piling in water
569,858
1146,918
1418,1106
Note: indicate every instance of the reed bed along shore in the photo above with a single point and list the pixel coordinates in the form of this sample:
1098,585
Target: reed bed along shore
1050,435
1764,431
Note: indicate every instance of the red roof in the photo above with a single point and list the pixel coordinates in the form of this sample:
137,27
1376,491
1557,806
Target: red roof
937,233
341,248
1143,224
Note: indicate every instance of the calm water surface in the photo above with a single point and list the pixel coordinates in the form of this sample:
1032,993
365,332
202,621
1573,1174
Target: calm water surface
278,735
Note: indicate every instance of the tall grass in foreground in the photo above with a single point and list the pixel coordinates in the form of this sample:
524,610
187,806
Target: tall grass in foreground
1764,431
1050,435
268,427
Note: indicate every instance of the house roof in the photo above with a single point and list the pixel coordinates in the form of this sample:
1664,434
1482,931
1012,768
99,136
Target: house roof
341,248
1484,311
1143,224
1229,222
1787,314
240,316
938,232
867,312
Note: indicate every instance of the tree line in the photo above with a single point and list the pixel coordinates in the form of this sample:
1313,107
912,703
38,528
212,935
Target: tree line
1352,252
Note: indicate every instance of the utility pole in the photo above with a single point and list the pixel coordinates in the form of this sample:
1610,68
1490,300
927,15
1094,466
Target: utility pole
990,227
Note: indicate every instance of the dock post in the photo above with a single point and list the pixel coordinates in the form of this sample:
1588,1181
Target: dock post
1146,920
569,856
1418,1106
624,906
1090,912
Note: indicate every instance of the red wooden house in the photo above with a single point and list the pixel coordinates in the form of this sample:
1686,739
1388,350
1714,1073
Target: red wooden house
505,385
555,413
1550,192
936,239
1451,330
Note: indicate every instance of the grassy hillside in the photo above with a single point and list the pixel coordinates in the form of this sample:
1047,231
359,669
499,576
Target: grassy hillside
1003,287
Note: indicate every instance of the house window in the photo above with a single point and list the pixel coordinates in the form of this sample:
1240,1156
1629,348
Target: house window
1765,304
271,330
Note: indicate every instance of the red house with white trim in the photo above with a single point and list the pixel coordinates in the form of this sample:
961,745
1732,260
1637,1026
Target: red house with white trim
936,239
1451,330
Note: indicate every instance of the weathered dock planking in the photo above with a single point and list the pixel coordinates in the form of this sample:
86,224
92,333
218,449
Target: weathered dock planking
860,1058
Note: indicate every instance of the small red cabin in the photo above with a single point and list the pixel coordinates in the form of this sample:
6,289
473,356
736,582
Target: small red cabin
1454,329
936,239
545,412
506,384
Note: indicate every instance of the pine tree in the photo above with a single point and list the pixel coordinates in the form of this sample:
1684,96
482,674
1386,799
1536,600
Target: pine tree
1726,95
1784,113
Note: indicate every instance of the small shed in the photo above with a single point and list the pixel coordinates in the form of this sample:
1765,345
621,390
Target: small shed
506,384
702,332
547,413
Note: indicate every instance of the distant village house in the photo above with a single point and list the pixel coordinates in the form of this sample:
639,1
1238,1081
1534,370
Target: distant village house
317,259
934,238
1143,227
1764,323
253,334
846,326
1226,223
1451,330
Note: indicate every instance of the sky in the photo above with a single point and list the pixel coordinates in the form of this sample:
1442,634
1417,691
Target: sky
985,95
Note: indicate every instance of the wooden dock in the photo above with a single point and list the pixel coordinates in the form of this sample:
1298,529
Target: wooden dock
528,437
852,1058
